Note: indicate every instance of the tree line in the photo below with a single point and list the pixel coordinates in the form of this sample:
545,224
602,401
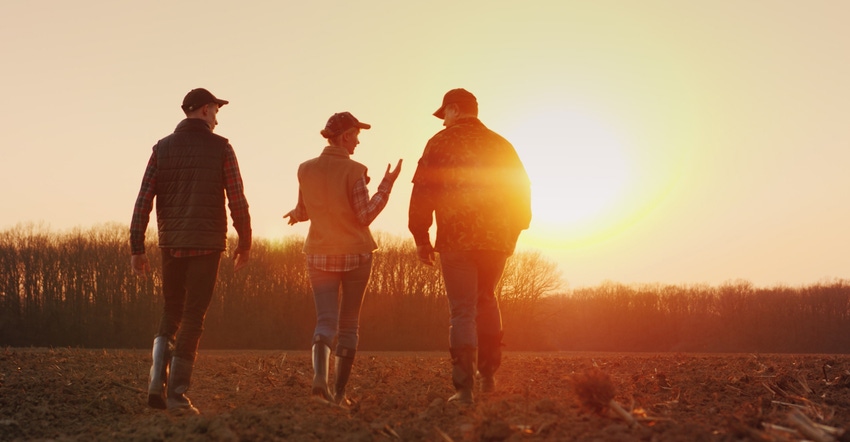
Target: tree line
77,289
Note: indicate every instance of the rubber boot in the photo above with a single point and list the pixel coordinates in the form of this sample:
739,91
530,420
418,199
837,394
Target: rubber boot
161,356
463,374
179,380
489,360
321,359
342,370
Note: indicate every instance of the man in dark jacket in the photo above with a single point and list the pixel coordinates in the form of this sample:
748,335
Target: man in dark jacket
472,181
189,173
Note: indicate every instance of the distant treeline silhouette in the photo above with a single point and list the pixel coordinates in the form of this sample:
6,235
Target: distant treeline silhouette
77,289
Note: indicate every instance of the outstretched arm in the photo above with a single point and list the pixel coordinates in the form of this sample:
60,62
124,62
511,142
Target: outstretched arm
299,213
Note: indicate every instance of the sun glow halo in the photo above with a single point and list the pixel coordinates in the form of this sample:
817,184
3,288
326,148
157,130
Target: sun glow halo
579,172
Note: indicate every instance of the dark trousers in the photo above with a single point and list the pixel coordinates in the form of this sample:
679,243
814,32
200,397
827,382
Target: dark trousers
187,286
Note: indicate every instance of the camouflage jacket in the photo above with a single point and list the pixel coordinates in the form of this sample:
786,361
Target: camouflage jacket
472,181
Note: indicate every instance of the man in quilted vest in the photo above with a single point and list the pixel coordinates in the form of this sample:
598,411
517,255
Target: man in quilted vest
189,173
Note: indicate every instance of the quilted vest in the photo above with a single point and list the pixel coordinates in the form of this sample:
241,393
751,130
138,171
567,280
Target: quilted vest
190,199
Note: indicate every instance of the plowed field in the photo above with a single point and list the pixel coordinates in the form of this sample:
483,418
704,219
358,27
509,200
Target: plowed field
76,394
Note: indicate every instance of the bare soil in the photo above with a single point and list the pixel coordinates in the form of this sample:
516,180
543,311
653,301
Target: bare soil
76,394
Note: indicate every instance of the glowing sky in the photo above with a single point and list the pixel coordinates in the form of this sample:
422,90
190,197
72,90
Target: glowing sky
667,141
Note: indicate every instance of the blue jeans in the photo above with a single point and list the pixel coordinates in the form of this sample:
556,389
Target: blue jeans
187,286
471,278
338,297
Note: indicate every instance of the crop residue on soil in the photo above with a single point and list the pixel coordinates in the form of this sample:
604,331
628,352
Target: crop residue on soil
77,394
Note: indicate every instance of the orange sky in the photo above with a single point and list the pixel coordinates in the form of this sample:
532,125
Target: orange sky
667,141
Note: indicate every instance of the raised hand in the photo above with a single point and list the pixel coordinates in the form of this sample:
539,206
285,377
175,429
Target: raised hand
391,175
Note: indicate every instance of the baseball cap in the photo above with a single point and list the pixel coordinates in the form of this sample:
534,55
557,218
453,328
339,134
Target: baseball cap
200,97
454,96
341,122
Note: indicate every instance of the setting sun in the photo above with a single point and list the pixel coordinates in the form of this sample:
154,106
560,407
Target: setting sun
665,141
580,173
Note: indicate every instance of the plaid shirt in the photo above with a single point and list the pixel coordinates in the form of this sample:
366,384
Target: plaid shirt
236,202
366,209
337,263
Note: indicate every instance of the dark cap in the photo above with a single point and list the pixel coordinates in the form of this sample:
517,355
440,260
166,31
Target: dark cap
341,122
454,96
200,97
